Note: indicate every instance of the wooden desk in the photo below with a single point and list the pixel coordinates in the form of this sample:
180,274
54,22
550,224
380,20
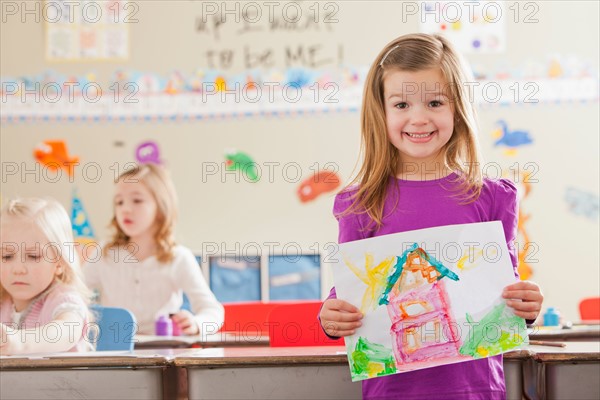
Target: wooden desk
266,373
569,372
300,373
578,333
112,375
296,373
269,373
219,339
517,363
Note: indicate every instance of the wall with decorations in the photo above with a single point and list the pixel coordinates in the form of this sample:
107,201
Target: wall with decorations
245,105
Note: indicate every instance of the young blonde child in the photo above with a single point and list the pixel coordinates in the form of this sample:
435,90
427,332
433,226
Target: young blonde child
43,300
141,268
421,168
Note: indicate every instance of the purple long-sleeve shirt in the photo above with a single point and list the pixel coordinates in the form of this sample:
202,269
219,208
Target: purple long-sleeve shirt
425,204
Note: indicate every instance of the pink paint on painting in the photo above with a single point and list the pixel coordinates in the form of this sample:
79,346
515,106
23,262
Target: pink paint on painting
422,326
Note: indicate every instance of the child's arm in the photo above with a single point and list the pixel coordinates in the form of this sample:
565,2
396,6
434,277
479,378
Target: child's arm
339,318
210,313
525,298
61,334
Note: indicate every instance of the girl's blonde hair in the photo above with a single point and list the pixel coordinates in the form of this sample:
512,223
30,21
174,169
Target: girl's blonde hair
53,220
159,183
414,52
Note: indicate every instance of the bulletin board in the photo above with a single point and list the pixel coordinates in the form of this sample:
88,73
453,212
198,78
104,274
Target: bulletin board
173,47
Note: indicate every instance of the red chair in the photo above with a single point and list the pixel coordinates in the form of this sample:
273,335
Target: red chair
589,309
296,324
247,317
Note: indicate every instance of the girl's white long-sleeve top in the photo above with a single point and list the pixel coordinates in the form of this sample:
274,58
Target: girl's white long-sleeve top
150,288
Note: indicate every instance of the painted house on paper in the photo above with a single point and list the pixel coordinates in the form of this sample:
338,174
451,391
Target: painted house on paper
418,307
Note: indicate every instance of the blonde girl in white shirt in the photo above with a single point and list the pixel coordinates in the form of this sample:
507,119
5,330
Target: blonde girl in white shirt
141,268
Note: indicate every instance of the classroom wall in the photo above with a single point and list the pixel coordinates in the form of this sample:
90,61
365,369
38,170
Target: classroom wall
232,215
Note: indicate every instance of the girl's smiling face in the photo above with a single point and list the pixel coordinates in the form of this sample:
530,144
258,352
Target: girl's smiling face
419,116
29,262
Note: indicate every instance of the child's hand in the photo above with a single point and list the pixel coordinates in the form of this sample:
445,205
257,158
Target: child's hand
340,318
525,298
187,323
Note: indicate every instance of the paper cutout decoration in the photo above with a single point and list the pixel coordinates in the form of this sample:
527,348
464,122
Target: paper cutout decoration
220,84
53,154
582,203
555,70
319,183
430,297
148,83
524,268
82,229
236,160
511,139
176,83
300,77
148,153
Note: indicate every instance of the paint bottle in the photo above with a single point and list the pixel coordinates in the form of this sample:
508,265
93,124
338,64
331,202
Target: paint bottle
551,317
164,326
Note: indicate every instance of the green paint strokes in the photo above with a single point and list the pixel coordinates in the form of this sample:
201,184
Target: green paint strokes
498,331
371,359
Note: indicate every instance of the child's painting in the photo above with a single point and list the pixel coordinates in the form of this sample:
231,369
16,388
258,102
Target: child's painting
429,297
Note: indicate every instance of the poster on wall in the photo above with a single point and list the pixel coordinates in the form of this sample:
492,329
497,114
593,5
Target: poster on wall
473,27
87,30
235,279
82,228
294,277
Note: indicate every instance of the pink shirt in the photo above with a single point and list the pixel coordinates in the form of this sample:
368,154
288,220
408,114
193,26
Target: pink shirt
43,310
